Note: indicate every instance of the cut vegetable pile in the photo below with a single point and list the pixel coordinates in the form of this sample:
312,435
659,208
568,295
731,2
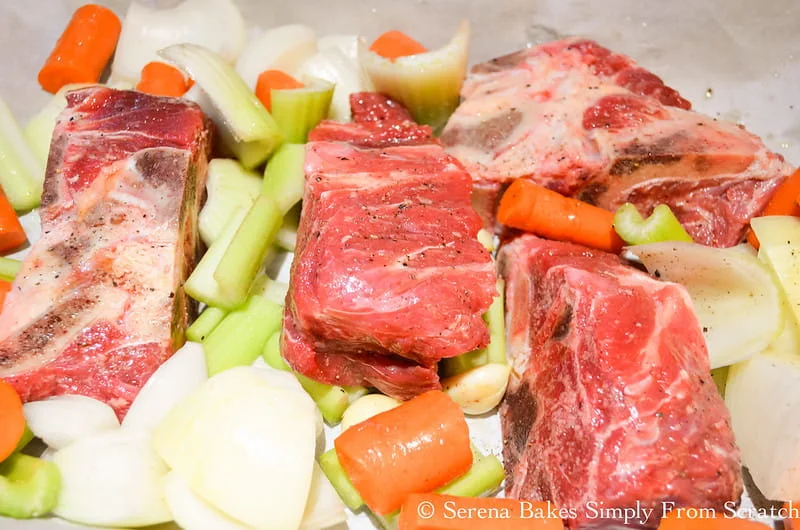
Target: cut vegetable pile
230,432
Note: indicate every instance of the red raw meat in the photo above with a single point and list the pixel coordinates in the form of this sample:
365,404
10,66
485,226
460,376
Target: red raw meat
388,276
611,399
99,303
587,122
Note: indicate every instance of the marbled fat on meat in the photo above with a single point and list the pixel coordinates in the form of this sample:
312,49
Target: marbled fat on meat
610,400
99,304
584,121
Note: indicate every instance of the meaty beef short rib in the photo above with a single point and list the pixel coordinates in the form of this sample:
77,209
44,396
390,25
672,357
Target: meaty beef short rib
610,400
587,122
99,304
388,276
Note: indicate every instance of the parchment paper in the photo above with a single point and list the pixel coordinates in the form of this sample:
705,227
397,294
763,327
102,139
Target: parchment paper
737,60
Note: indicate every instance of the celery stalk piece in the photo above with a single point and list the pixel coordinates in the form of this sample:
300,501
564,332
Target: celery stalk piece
201,284
205,324
39,131
274,290
495,318
29,486
230,188
25,439
21,175
464,362
331,400
329,462
662,225
246,126
299,110
245,254
428,84
9,268
239,339
485,476
720,377
284,177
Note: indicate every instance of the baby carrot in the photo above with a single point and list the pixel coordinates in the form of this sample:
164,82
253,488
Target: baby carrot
394,44
270,80
691,519
544,212
12,420
5,288
433,511
82,51
783,202
161,79
415,448
11,233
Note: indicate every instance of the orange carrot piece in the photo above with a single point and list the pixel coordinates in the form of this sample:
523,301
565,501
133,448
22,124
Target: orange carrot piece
433,511
694,519
270,80
83,50
783,202
5,288
161,79
11,233
544,212
12,420
394,44
414,448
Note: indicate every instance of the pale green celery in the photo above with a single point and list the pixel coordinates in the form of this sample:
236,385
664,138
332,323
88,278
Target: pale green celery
428,84
9,268
284,177
205,324
25,439
244,256
495,318
39,131
273,290
331,400
483,477
239,339
230,188
21,174
29,486
246,126
299,110
463,363
662,225
201,284
329,462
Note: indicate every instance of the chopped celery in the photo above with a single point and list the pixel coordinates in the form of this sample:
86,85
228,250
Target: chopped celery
21,175
245,254
239,339
483,477
205,324
428,84
274,290
662,225
25,439
495,351
29,486
245,125
495,319
720,377
9,268
284,177
230,188
329,462
331,400
201,284
299,110
39,131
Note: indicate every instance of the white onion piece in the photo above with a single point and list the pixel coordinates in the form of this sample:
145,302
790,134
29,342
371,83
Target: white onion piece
347,44
112,479
334,65
174,380
214,24
324,507
283,48
193,513
61,420
734,296
245,443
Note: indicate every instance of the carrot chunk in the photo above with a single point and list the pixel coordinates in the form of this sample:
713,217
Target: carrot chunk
12,420
784,202
394,44
11,233
161,79
270,80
